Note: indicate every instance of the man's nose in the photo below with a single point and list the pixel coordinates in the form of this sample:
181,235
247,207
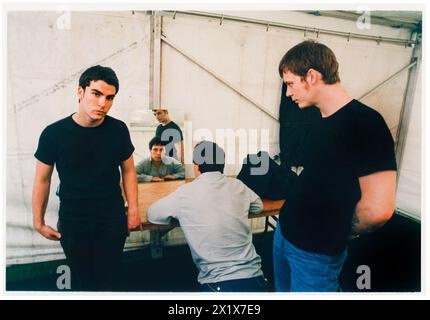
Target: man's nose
102,101
288,93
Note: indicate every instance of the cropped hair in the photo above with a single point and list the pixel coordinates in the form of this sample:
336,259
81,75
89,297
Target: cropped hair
96,73
209,157
307,55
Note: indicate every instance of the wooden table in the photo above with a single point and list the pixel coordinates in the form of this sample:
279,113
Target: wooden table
150,192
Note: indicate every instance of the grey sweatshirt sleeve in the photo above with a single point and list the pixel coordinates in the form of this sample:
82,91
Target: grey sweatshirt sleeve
141,169
178,170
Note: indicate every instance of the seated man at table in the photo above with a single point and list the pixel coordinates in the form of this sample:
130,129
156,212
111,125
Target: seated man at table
159,167
213,214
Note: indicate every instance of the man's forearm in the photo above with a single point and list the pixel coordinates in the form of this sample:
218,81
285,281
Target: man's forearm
362,221
40,199
359,226
377,202
179,172
130,190
144,178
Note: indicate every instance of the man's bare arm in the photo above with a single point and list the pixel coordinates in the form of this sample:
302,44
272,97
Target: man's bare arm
40,197
377,203
129,181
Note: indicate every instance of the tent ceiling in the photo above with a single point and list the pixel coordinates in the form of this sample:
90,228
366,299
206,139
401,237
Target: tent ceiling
395,19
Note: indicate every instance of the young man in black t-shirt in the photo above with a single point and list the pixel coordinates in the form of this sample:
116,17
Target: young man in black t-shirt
88,148
170,133
347,186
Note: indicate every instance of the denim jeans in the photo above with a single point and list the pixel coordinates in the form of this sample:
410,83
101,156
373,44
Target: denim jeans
296,270
257,284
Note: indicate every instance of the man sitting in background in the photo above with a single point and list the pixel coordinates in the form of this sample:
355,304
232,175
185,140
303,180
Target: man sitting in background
159,167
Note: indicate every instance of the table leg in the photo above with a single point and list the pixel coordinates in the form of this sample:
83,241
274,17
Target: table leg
156,244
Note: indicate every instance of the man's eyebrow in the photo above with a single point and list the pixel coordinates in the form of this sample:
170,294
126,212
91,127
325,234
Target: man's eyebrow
97,91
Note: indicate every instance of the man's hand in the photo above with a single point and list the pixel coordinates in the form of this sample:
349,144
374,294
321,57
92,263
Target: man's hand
157,179
133,220
48,232
169,177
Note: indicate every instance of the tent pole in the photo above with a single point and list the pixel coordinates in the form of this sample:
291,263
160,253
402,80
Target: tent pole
317,31
219,77
405,113
155,61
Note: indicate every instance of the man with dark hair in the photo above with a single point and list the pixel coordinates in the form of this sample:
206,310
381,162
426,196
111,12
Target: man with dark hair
347,182
87,148
100,73
159,167
213,214
170,133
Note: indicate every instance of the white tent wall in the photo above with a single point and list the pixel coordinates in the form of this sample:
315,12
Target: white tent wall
44,63
45,60
409,187
247,56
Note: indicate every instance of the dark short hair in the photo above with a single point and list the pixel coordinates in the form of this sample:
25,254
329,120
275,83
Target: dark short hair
156,141
209,157
95,73
311,54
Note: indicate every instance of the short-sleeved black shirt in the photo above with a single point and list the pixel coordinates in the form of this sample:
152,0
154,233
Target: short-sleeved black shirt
353,142
87,160
170,134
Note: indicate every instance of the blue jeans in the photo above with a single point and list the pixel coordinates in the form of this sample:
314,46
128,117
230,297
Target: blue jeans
296,270
257,284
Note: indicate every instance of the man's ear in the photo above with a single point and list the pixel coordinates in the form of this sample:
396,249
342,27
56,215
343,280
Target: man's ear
313,76
80,92
196,170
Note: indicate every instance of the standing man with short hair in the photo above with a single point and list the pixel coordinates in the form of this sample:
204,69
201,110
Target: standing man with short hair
348,183
88,148
170,133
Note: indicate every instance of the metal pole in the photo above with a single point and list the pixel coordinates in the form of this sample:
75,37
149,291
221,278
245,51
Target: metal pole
217,76
405,113
223,17
155,62
353,16
368,93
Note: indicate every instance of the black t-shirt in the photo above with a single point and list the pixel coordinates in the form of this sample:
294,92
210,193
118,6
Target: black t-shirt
353,142
87,161
170,134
